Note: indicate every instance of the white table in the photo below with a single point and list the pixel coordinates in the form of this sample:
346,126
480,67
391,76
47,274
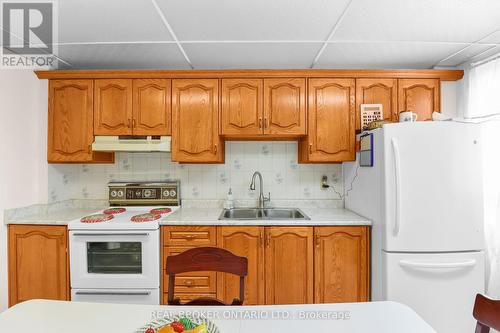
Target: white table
43,316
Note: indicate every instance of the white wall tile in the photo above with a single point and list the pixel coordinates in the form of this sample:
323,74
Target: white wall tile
277,161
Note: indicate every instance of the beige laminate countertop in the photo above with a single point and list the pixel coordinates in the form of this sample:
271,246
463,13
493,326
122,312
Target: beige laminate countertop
318,216
62,213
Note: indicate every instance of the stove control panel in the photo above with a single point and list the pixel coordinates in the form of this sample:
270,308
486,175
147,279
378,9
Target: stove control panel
158,193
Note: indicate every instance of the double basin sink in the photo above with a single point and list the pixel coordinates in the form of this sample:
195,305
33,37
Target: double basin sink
263,214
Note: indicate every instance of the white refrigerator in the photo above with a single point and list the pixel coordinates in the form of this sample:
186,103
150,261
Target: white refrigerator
424,195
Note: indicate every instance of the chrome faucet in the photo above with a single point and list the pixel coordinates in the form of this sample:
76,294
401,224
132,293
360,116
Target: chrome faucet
262,198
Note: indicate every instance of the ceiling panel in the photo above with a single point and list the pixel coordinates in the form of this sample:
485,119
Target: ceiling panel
384,55
252,19
252,55
123,56
109,21
422,20
471,51
493,38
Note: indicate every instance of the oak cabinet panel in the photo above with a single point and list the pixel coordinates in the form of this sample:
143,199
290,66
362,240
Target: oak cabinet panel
377,91
341,261
289,265
151,107
331,113
38,263
419,95
195,117
246,242
70,123
285,106
242,112
113,107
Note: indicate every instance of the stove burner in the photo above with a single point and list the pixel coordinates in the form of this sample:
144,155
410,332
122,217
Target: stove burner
96,218
160,210
117,210
147,217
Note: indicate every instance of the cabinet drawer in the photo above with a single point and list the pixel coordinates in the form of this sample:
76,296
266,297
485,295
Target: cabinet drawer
186,297
191,236
195,282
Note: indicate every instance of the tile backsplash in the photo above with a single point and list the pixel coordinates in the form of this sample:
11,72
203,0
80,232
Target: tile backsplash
277,161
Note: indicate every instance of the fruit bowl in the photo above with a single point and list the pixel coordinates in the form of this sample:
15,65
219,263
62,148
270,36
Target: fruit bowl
179,324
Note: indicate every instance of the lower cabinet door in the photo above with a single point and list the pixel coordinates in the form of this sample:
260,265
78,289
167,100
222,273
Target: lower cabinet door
341,264
246,242
289,265
38,263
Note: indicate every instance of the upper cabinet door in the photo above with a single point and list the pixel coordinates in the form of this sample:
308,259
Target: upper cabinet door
151,107
70,133
195,118
242,107
285,107
419,95
331,121
377,91
113,107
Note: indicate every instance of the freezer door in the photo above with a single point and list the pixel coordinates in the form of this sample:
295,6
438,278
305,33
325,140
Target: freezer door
440,287
433,190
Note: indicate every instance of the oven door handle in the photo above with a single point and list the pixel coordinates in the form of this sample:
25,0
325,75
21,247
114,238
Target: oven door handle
111,234
111,293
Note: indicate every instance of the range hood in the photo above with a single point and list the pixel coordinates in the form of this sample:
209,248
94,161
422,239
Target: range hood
132,143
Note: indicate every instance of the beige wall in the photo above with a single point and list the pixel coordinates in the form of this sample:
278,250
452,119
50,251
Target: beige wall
23,167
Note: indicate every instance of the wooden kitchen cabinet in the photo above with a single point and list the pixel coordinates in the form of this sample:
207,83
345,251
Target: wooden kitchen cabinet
331,134
151,107
242,107
341,264
289,265
419,95
113,107
195,121
245,241
377,91
38,263
285,107
70,123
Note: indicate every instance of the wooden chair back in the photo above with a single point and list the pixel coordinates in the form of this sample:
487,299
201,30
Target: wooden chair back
206,259
487,313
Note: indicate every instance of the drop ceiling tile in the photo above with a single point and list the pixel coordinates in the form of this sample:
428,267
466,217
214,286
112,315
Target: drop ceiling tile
422,20
252,55
109,21
465,55
384,55
252,20
123,56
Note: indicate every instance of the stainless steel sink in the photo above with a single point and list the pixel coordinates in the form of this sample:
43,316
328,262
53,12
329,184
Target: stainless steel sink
263,214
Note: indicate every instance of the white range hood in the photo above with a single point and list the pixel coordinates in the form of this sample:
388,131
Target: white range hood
132,143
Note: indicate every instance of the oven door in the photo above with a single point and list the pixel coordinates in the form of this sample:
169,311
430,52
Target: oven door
115,259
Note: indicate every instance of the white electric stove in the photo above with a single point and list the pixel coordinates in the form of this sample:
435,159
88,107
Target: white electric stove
115,253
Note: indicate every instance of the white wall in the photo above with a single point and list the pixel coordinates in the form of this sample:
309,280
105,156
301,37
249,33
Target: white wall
23,166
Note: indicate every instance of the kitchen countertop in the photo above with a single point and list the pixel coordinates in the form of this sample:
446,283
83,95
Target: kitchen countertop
61,316
58,213
199,213
319,216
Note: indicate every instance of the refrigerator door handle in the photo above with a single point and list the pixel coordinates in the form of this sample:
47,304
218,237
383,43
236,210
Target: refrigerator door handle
397,174
438,265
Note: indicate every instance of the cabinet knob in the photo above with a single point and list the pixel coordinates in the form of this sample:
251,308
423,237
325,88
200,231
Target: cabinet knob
266,123
133,123
89,148
310,148
129,123
317,240
215,148
260,122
